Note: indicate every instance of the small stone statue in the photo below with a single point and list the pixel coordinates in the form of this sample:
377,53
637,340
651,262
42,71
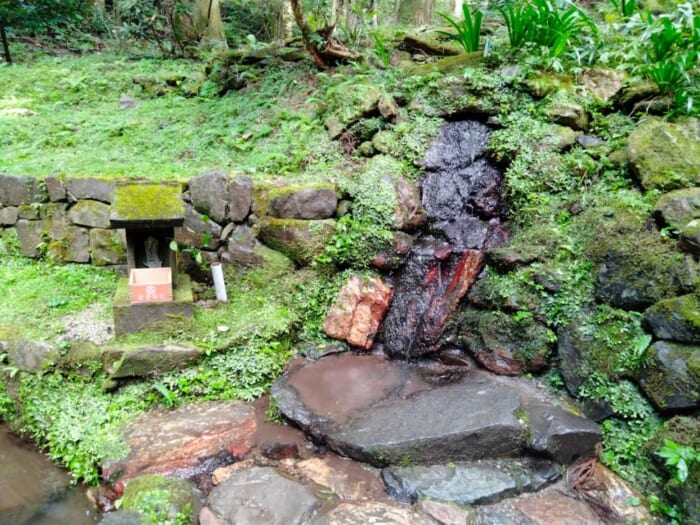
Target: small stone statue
152,259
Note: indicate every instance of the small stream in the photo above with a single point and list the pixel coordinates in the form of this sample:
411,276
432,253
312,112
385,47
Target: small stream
34,491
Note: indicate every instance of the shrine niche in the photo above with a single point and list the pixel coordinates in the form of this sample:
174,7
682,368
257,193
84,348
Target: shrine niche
153,292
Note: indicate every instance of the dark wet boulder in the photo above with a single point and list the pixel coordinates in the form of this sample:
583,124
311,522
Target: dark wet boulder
504,344
671,376
665,155
427,292
261,496
560,434
162,500
473,483
388,413
675,319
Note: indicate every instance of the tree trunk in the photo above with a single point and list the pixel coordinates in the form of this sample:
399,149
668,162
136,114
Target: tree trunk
306,34
5,44
207,22
415,12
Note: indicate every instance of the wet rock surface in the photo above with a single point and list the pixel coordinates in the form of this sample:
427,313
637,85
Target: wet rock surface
187,442
469,483
393,415
261,495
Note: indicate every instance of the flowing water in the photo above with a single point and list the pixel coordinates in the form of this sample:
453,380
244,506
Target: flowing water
33,491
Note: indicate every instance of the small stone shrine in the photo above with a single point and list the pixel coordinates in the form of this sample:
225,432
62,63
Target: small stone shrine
154,291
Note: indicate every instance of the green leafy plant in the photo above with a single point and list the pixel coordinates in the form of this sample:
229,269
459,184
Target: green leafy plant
678,459
517,17
380,49
468,33
624,8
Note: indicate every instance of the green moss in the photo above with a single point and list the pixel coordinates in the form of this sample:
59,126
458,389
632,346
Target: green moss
300,240
447,65
160,500
147,202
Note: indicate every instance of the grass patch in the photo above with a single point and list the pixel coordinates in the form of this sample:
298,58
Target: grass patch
80,130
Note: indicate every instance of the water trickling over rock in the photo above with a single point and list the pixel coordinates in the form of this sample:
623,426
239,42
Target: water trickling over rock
462,200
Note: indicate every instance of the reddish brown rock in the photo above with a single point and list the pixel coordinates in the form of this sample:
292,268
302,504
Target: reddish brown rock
187,443
550,506
359,309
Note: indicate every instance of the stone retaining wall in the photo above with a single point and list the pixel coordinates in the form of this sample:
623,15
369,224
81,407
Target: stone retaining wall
67,219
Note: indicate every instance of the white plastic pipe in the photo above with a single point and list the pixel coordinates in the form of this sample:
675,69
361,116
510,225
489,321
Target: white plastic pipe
219,286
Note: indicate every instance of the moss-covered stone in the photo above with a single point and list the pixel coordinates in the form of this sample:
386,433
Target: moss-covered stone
448,65
671,376
676,319
356,102
83,357
94,214
300,240
690,237
145,361
543,84
637,267
162,500
664,155
147,203
309,202
677,208
107,247
504,344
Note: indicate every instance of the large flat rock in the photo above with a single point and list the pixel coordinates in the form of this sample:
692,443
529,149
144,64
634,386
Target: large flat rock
188,442
385,413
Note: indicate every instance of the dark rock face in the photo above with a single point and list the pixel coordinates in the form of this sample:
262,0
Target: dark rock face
197,229
671,376
561,435
241,198
427,292
677,208
386,413
676,319
261,496
479,482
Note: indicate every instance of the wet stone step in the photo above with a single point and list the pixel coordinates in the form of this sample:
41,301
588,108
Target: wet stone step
470,483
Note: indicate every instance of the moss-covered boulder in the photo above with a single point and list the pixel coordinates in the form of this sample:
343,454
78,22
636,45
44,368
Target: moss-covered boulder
677,208
504,344
690,237
664,155
94,214
166,501
571,115
31,356
300,240
358,101
144,361
449,65
636,266
107,247
671,376
542,84
676,319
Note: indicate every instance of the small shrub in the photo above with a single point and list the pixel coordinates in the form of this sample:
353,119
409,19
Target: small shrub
468,33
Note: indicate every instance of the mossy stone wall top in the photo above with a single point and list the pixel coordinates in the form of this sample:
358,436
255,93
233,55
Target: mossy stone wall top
148,204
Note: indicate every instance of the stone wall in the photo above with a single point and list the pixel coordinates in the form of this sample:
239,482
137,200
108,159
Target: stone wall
67,219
